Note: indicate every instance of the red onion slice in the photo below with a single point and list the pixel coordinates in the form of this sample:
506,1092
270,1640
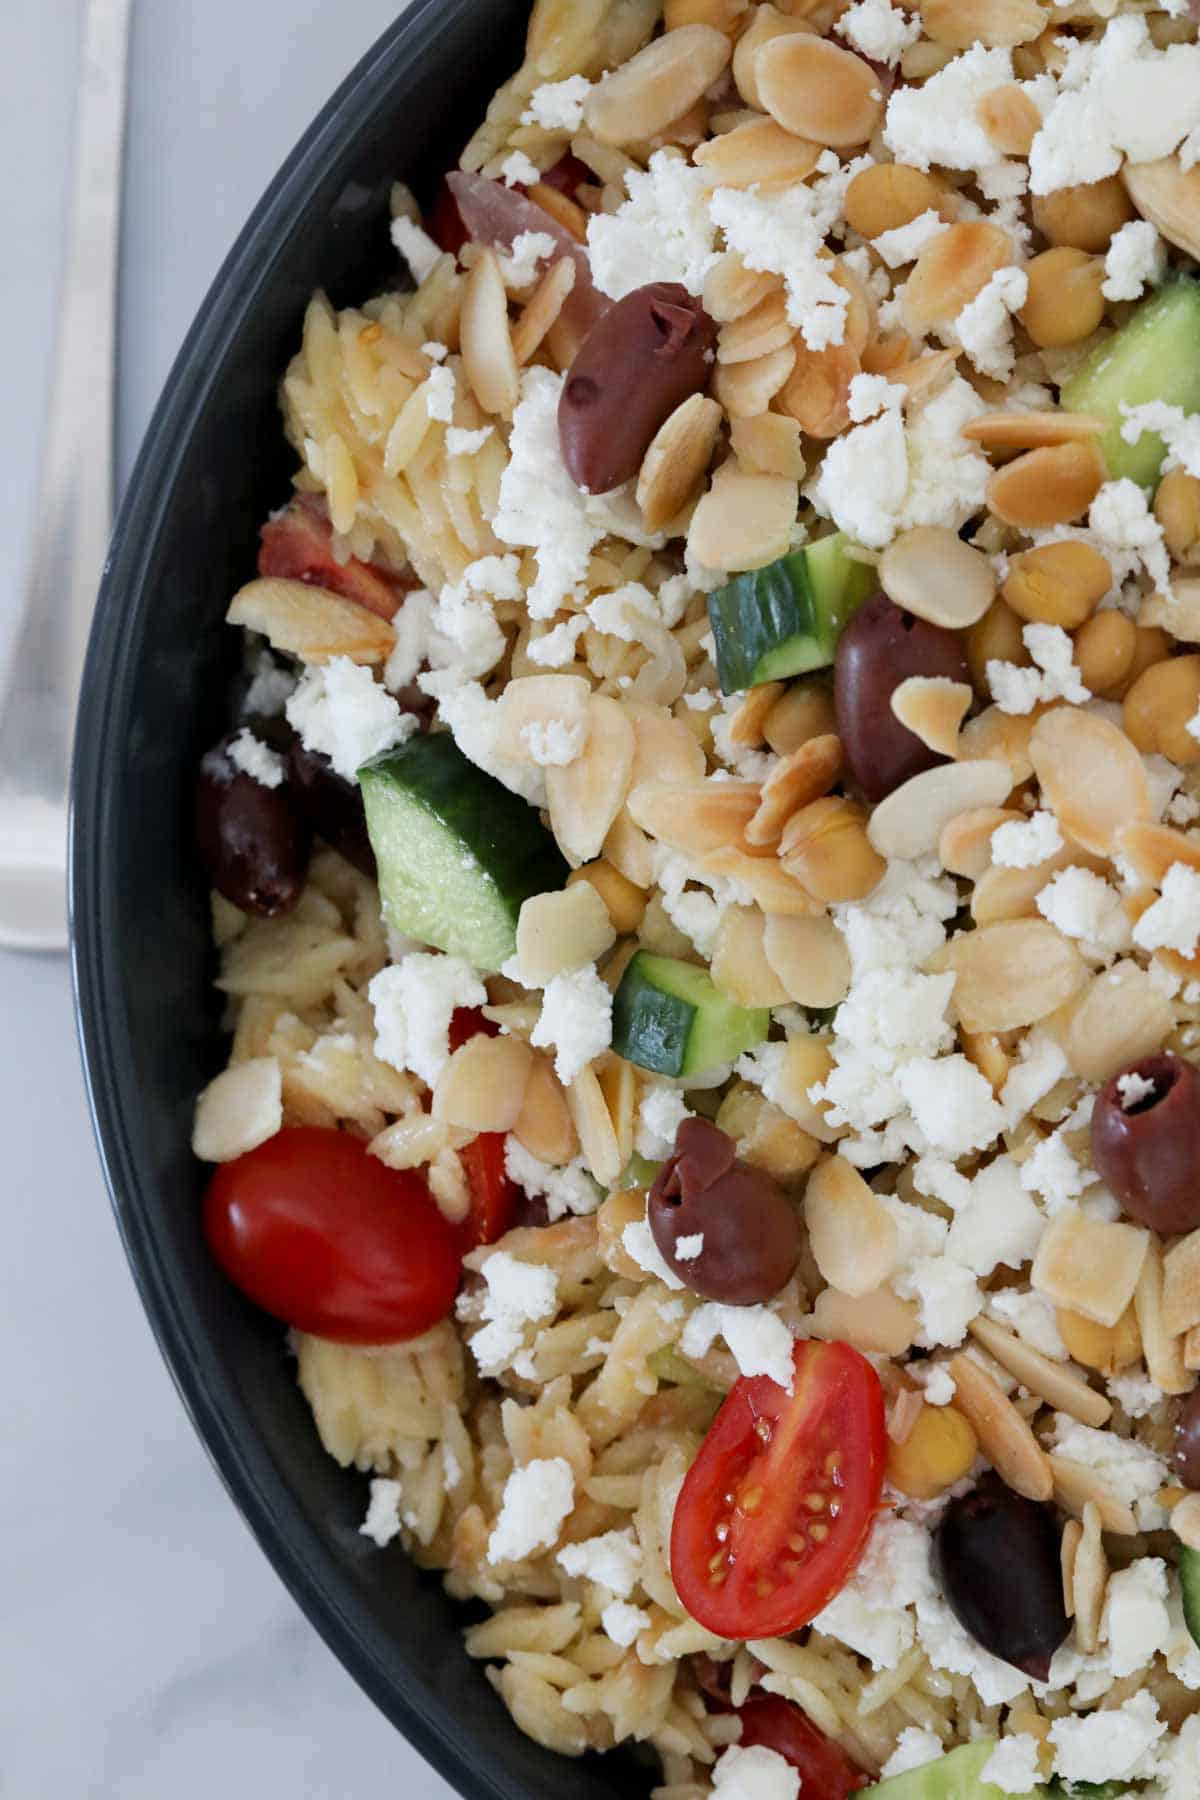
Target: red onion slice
496,215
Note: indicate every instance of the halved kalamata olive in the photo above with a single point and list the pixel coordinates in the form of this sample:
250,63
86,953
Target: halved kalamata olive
646,356
881,647
332,805
253,839
998,1560
748,1231
1146,1144
1187,1442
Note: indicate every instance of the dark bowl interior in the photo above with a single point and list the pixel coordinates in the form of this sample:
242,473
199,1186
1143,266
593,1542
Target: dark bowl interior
155,694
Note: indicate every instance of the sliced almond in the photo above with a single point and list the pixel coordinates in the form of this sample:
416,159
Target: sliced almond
561,931
1068,1550
1191,1349
641,98
1000,24
1011,974
482,1086
542,308
1151,849
909,822
675,463
544,1126
695,816
310,622
1090,1266
1185,1521
1004,1436
806,1063
1054,1382
795,781
747,389
819,91
951,271
666,750
759,153
731,290
630,851
817,392
533,704
769,445
1006,893
965,846
584,797
933,708
779,894
851,1234
593,1122
931,573
748,724
1041,488
487,350
1090,775
739,966
1181,1286
756,333
1089,1580
878,1323
1032,430
810,957
744,521
1077,1486
1169,197
1162,1349
1120,1017
1004,737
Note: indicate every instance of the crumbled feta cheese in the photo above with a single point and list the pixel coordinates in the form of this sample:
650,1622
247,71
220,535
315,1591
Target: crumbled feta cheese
415,246
1055,676
340,710
755,1773
1126,531
540,506
947,473
914,1748
984,326
473,721
414,1001
637,1240
1173,921
614,1560
1133,1089
948,1646
434,351
269,688
623,1623
759,1340
878,30
999,1224
439,393
1033,1317
1023,843
1116,1745
864,479
1051,1171
782,231
936,1381
382,1522
938,121
575,1021
1132,1472
1137,1395
1135,1623
1013,1765
952,1103
663,232
870,1614
466,443
947,1297
558,105
660,1114
904,243
871,394
688,1248
1136,258
529,250
256,759
1040,1065
1179,1758
517,170
1082,906
553,743
537,1498
517,1294
570,1189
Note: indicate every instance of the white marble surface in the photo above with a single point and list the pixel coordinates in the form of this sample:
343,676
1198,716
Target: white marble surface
147,1649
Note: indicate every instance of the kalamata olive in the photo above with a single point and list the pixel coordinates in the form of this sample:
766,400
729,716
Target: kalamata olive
881,647
1187,1442
332,805
1146,1145
646,356
253,839
998,1560
748,1230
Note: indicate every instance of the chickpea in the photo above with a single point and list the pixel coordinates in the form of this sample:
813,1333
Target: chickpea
1105,646
722,15
1010,119
804,712
1160,704
1084,217
626,903
1108,1348
1177,509
1151,645
888,195
995,638
1064,304
1057,584
938,1451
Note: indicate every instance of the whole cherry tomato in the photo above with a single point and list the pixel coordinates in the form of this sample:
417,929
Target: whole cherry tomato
313,1228
776,1509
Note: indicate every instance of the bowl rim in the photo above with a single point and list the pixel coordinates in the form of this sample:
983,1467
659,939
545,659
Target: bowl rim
266,1503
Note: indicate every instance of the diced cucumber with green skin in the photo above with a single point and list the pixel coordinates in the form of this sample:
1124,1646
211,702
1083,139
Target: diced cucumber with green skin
786,619
668,1016
1156,356
639,1172
1189,1583
1087,1790
457,852
956,1776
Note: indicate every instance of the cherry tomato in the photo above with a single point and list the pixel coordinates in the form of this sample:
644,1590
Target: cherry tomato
752,1553
297,544
568,174
826,1772
494,1195
444,222
314,1229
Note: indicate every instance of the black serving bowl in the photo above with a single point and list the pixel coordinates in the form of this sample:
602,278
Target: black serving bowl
155,694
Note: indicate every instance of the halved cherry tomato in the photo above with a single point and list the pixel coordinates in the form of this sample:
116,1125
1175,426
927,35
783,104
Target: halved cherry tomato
494,1195
444,222
826,1772
297,544
567,175
776,1509
314,1229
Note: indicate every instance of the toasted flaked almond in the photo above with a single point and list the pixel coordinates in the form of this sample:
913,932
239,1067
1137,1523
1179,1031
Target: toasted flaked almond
1181,1286
239,1109
695,816
487,350
584,796
746,726
930,572
739,966
1109,1349
779,894
1151,849
817,392
920,377
744,521
759,153
826,846
624,1206
1011,974
1090,1266
1004,1436
794,782
1169,197
482,1086
731,290
542,308
933,708
1053,1382
805,711
1185,1521
851,1234
310,622
1010,118
985,1050
910,820
747,389
805,1064
1068,1550
1006,893
766,22
951,271
1162,1349
861,313
665,750
1090,775
756,333
533,704
902,1414
1032,430
1041,488
768,445
1118,1018
675,463
593,1122
544,1126
642,97
809,955
878,1323
965,846
1089,1580
765,1136
560,931
1000,24
890,350
563,210
1004,737
1179,615
822,93
1076,1486
619,1085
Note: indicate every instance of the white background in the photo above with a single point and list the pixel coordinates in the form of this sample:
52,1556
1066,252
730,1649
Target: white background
146,1648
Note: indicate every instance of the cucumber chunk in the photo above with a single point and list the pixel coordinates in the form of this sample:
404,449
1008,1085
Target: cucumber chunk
785,619
1156,356
955,1776
1189,1582
668,1016
1087,1790
457,852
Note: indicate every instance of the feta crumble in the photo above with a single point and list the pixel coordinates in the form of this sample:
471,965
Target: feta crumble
1084,907
1133,1089
569,1189
518,170
415,246
1135,260
517,1294
662,232
613,1560
558,105
755,1773
914,1748
878,30
575,1021
758,1339
1053,677
252,757
623,1623
904,243
537,1499
382,1522
1013,1765
1023,843
984,326
1173,921
688,1248
340,710
1117,1745
414,1001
